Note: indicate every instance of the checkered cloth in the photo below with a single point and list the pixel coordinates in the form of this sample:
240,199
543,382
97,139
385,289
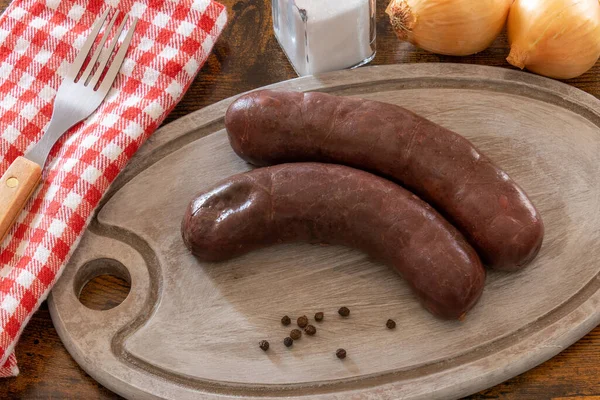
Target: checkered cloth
38,41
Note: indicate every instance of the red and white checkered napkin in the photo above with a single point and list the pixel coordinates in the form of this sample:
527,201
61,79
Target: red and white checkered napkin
38,41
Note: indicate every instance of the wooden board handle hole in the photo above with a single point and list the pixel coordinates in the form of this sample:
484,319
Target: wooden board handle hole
102,284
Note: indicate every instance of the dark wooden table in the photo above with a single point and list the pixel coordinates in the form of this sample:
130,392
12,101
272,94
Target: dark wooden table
247,56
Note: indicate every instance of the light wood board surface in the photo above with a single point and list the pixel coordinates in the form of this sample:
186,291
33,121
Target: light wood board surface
188,328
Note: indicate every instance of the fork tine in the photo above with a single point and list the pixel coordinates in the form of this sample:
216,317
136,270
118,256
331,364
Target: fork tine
99,48
106,56
81,56
115,66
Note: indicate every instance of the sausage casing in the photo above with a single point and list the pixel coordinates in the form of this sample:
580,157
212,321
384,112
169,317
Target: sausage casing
334,204
443,168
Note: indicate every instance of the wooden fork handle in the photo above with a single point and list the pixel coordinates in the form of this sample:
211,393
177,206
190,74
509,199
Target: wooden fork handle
16,187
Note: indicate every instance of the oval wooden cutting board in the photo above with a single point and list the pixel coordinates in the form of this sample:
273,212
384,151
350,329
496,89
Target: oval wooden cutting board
191,330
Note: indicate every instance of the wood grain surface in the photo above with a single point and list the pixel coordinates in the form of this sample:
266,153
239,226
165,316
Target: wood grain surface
16,187
195,324
247,56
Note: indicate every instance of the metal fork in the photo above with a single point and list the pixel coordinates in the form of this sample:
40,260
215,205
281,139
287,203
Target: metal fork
75,100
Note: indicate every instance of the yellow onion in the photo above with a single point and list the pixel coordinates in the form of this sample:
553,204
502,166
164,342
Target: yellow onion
452,27
556,38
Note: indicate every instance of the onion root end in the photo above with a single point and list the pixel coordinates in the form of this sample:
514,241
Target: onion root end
517,57
401,17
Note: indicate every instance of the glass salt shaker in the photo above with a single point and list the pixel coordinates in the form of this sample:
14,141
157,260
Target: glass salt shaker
325,35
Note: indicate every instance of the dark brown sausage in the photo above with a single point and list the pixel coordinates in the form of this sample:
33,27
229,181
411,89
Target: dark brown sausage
440,166
324,203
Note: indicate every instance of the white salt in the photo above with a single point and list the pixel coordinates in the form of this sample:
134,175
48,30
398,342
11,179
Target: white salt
325,35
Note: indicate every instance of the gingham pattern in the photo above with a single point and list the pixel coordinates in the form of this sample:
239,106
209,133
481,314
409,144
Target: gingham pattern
38,41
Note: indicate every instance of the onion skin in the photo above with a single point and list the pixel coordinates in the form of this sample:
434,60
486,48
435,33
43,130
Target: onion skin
556,38
450,27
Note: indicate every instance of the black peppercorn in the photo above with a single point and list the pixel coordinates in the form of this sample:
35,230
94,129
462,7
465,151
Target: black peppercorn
302,321
340,353
263,344
288,341
310,330
319,316
285,320
295,334
391,324
344,311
